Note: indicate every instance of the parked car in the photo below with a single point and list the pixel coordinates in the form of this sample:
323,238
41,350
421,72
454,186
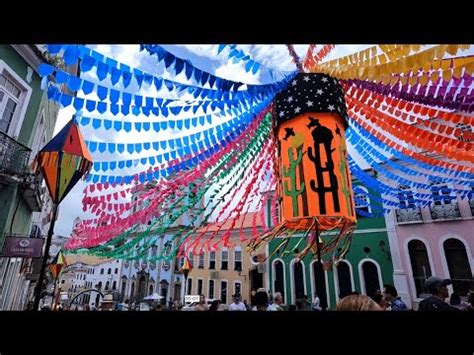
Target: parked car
192,306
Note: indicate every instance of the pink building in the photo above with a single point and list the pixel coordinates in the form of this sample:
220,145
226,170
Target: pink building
436,240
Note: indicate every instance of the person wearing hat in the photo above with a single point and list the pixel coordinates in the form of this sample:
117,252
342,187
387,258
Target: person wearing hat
439,292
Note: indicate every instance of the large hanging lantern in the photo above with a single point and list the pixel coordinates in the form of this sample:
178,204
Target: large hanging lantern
314,182
314,176
63,161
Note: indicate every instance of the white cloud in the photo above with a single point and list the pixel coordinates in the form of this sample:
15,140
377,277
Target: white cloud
236,72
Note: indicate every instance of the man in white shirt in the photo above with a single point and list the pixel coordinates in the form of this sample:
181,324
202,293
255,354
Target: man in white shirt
237,305
277,304
316,303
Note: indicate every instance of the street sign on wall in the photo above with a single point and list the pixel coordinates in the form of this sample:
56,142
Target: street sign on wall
16,247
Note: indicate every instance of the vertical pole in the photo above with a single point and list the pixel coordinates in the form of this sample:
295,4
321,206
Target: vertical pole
53,301
321,269
45,258
185,286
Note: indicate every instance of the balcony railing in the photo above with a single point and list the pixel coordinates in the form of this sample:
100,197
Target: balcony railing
406,215
14,156
445,211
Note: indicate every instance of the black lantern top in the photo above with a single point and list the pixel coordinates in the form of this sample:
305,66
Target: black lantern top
310,93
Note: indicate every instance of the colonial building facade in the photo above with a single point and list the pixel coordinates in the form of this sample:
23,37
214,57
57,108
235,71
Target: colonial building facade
27,121
437,239
365,268
225,272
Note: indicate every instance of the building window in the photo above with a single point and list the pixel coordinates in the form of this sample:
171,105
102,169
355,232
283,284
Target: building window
9,103
344,279
224,292
210,292
114,285
199,291
279,278
458,264
62,281
141,291
224,259
238,288
319,279
238,259
109,271
124,287
371,278
178,264
212,260
201,261
132,290
154,250
164,289
102,271
190,286
298,278
150,290
361,199
107,285
420,266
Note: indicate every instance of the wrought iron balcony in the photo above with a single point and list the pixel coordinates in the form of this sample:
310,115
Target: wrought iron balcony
409,215
445,211
14,157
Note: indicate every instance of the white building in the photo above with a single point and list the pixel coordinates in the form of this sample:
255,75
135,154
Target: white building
141,277
85,274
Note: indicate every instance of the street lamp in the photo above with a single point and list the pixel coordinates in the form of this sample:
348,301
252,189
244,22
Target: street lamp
62,162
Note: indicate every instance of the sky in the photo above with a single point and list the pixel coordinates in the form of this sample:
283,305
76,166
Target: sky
205,57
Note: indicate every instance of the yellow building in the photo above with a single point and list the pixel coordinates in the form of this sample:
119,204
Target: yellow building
221,274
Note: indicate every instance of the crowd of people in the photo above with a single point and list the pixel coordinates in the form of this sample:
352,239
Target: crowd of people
389,299
386,300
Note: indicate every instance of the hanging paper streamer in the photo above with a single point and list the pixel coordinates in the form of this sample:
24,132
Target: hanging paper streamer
310,60
74,84
369,142
393,93
428,95
204,77
104,66
91,105
249,148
